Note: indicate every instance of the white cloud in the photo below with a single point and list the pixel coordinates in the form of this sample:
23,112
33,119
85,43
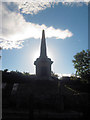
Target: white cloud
64,75
15,30
34,6
46,0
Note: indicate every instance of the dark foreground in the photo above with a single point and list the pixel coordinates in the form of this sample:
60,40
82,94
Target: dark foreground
40,115
26,98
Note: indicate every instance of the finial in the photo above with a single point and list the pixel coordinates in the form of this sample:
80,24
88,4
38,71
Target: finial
43,45
43,34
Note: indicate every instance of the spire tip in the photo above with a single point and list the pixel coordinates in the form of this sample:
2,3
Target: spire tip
43,30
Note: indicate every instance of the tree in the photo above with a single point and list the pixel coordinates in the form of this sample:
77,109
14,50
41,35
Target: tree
26,73
54,74
6,70
82,64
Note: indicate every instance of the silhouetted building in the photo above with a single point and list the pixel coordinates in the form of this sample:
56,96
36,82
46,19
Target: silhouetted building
43,63
40,96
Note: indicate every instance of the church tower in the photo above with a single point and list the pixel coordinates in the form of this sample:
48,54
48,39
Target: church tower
43,63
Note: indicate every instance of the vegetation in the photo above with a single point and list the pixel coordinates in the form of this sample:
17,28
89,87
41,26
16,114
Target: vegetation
82,64
22,92
54,74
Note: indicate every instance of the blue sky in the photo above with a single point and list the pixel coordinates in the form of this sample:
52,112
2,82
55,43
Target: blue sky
74,18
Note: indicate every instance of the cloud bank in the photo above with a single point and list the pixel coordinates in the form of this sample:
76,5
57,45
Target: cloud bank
33,7
46,1
15,30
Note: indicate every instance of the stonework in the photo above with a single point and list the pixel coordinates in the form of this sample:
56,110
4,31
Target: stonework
43,63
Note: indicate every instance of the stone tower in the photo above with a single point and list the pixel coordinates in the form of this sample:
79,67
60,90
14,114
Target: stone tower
43,63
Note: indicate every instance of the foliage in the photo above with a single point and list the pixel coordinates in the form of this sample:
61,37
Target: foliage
81,64
54,74
75,77
26,73
6,70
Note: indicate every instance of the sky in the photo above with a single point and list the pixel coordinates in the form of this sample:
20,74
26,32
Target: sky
66,31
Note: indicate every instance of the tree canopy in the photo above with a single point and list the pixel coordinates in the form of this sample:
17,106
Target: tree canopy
82,64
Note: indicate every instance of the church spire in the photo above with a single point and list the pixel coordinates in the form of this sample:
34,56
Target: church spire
43,63
43,52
